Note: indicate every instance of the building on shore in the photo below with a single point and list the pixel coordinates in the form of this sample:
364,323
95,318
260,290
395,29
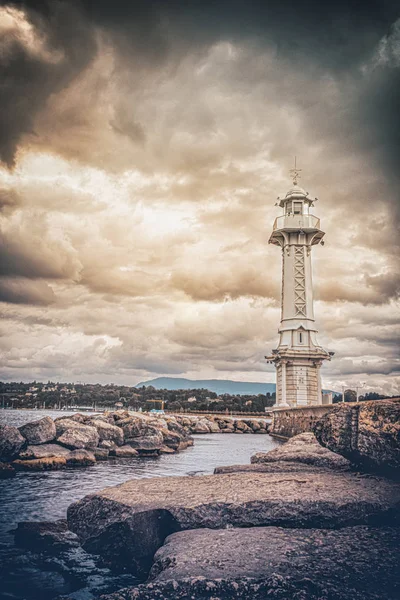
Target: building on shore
298,357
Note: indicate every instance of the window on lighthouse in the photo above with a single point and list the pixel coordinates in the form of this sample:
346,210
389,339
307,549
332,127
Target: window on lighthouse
297,208
300,338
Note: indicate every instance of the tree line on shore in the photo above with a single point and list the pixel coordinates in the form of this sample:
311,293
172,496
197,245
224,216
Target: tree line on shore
69,395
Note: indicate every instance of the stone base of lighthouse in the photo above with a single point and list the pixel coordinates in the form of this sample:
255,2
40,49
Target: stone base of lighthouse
298,378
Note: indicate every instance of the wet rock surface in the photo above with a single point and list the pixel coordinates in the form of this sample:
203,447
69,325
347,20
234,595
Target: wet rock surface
126,523
275,563
11,442
367,433
39,432
42,535
40,464
48,562
304,448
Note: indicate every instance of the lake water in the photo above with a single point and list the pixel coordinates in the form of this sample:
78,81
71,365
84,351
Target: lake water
45,496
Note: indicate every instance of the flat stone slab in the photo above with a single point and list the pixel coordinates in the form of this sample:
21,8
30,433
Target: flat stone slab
126,524
311,564
272,467
304,448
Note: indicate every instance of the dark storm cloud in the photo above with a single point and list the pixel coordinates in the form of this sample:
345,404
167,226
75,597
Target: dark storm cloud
29,77
24,291
335,36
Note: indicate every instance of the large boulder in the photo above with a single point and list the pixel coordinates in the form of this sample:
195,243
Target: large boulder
39,432
303,448
367,433
77,418
213,427
126,524
108,432
201,426
131,426
44,451
79,438
171,439
149,443
64,423
354,563
11,442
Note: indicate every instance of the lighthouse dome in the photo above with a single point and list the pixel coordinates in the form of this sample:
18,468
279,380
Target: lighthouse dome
296,192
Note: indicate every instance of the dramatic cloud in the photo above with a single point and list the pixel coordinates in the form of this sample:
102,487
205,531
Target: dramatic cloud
143,145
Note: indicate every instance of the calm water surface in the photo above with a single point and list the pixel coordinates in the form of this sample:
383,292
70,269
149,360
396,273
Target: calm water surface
45,496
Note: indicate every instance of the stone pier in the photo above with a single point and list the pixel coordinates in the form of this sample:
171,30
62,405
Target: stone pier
288,422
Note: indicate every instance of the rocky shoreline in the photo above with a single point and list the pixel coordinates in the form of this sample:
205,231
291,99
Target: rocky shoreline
81,440
300,521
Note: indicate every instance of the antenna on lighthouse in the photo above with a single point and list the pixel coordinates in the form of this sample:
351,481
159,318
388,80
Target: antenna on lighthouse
295,173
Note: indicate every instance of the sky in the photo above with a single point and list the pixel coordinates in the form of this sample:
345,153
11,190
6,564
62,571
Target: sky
143,145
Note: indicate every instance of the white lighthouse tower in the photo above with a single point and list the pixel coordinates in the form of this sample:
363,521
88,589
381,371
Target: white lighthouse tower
298,357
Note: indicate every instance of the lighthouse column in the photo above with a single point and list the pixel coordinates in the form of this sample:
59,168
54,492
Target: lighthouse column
298,356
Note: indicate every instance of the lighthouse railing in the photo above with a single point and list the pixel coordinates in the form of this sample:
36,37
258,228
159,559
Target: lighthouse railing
296,222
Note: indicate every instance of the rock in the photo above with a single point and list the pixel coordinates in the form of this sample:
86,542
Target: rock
201,427
80,458
241,425
108,432
40,464
172,440
303,448
119,415
167,450
79,438
44,451
148,443
101,453
39,432
107,445
11,442
124,452
126,524
131,427
64,423
45,535
272,562
254,425
213,427
6,471
271,467
76,418
178,429
367,433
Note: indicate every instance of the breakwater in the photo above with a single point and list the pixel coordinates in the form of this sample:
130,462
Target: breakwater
82,439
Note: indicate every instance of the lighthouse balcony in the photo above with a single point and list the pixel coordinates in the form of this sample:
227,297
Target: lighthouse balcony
295,222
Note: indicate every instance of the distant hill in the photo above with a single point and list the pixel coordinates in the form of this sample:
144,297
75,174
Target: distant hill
219,386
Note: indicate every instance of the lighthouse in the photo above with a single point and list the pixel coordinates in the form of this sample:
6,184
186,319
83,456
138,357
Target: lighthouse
298,357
